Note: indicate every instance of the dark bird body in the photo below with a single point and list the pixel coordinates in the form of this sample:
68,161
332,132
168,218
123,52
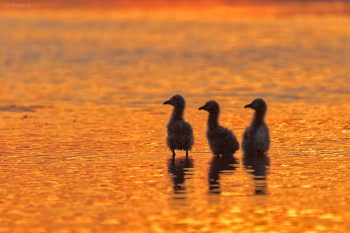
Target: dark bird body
221,140
256,137
180,133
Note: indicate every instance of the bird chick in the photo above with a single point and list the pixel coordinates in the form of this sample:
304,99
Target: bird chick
221,140
256,137
180,133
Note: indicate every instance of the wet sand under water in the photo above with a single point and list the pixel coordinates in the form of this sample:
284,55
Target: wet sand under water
82,125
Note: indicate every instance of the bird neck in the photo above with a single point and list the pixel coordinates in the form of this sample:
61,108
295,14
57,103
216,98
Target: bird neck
213,121
178,114
258,118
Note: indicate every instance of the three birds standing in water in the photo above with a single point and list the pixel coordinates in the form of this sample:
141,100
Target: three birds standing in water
256,139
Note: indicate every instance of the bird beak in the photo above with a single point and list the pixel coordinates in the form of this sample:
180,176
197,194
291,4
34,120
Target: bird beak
202,108
248,106
167,102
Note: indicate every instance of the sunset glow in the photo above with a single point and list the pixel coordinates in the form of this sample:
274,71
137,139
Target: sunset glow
83,125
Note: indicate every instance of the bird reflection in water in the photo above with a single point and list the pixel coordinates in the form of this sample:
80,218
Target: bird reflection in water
257,165
255,144
218,165
180,169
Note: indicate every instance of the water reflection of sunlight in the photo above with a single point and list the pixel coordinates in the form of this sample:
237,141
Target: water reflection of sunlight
80,151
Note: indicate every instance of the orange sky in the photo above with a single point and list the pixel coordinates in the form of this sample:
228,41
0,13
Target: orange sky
170,3
251,8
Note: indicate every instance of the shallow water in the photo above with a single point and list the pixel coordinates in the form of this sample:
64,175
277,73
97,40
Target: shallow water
83,131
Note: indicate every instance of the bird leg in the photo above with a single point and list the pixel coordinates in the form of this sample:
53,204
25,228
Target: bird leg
186,155
174,154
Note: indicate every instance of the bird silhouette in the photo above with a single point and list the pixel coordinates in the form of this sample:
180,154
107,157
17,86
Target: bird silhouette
221,140
256,137
180,133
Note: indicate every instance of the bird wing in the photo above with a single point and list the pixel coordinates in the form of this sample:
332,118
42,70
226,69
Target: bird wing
180,127
188,128
246,134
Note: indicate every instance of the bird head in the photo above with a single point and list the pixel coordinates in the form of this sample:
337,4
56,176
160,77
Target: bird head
258,105
176,101
211,107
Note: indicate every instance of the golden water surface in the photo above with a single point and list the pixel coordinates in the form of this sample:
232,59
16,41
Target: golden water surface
83,128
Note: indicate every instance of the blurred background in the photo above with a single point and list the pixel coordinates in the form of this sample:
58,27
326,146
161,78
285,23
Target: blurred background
83,128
